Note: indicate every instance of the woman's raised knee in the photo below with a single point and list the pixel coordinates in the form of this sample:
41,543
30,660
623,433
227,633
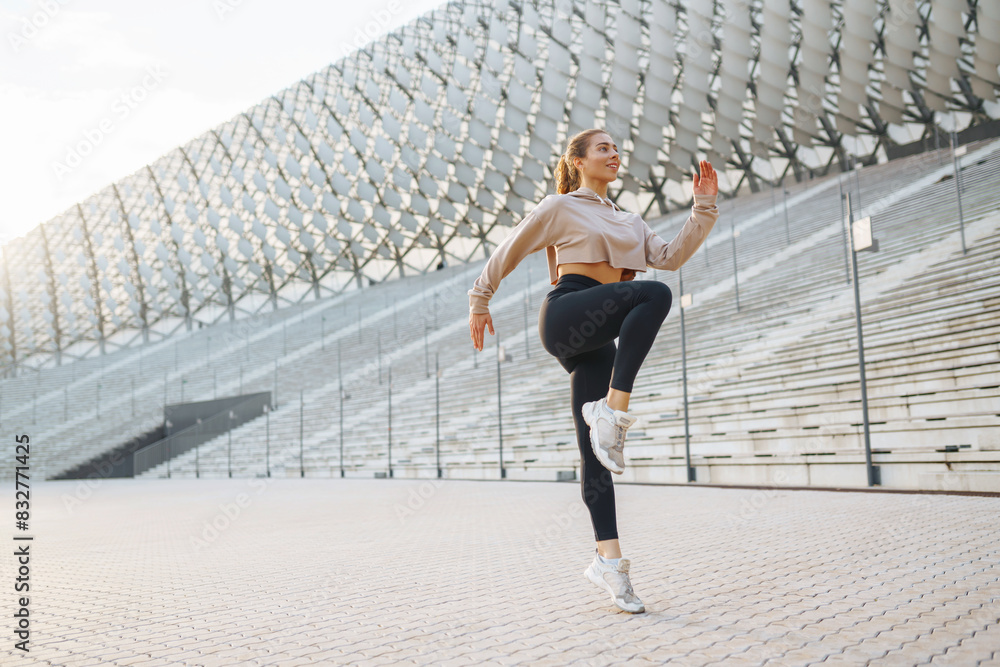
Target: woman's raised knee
658,293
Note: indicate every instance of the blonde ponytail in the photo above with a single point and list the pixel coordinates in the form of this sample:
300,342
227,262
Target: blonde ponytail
567,177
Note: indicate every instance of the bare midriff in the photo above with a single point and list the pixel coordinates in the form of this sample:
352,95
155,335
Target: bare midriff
600,271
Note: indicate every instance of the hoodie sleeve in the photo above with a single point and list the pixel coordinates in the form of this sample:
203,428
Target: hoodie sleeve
672,256
534,232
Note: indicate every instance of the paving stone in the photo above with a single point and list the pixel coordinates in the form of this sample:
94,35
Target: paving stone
892,659
754,655
460,581
841,660
885,642
157,662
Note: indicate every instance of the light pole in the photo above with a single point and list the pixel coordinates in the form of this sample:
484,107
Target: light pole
527,354
736,278
843,228
229,456
427,358
168,425
958,152
501,356
389,433
437,414
858,166
527,305
784,199
861,240
302,460
340,381
197,453
685,302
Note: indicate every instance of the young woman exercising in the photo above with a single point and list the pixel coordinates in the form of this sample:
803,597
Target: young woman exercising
594,250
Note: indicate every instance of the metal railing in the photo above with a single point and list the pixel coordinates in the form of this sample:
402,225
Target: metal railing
961,192
198,434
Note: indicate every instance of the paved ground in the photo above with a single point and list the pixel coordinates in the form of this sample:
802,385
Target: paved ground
296,572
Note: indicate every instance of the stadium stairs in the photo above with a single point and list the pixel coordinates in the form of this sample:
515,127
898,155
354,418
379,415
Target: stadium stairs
773,383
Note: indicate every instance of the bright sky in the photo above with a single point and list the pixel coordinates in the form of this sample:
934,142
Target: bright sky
137,79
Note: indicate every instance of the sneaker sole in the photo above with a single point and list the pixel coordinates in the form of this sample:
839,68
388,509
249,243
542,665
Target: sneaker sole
603,585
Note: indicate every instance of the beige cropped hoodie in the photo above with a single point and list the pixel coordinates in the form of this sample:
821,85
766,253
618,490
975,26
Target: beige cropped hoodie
581,226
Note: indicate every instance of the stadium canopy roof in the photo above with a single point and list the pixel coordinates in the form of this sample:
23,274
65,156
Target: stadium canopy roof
426,145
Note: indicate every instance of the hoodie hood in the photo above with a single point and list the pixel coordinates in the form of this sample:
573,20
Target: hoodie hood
587,193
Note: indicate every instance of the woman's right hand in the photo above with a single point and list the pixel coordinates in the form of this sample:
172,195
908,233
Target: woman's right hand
477,327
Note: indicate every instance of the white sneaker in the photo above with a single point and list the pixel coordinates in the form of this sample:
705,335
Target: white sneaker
607,433
616,582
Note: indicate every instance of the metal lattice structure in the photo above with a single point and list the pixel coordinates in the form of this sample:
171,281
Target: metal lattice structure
426,145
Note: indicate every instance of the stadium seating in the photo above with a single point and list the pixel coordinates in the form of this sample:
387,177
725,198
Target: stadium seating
773,384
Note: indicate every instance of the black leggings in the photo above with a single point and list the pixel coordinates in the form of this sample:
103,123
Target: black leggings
578,323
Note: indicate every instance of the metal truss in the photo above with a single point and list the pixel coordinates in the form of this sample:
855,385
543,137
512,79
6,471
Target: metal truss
425,146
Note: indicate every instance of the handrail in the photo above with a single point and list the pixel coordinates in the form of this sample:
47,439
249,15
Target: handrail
194,435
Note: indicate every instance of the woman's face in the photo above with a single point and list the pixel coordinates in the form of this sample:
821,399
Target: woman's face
602,161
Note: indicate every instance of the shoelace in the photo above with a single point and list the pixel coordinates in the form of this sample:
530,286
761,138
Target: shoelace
619,438
628,585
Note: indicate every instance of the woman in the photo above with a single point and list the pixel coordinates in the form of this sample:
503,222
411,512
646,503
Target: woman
594,249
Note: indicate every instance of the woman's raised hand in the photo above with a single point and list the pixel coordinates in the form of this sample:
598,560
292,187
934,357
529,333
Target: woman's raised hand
477,327
708,182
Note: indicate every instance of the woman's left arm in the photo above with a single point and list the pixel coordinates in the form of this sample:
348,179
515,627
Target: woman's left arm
704,214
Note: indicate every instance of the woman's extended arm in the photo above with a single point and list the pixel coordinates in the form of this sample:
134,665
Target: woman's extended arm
533,233
671,256
530,235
